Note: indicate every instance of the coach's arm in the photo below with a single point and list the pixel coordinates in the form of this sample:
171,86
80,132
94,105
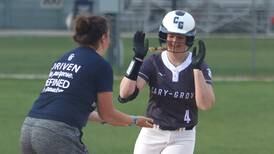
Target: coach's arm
109,114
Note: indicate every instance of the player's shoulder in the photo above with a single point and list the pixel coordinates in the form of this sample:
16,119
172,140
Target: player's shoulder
154,57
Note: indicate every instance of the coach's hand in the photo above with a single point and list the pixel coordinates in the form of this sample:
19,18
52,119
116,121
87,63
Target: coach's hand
140,45
197,59
144,122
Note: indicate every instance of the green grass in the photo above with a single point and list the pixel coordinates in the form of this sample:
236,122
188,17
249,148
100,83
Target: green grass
234,56
225,56
241,121
31,54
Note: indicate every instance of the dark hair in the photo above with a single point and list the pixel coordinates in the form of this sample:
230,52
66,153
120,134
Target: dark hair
89,30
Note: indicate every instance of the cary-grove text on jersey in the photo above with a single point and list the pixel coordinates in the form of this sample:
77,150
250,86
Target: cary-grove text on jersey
174,94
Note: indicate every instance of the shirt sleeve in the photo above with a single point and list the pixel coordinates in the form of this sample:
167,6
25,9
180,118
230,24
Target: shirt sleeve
146,69
207,73
104,78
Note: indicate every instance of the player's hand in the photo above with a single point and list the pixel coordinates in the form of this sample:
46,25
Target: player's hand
140,45
198,58
144,122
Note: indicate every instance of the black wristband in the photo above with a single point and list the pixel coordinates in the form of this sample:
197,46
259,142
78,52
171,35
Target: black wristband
129,98
133,68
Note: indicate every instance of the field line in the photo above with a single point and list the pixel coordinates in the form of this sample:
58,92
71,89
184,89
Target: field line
44,76
23,76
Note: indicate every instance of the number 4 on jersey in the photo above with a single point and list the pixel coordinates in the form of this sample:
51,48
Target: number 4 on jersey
187,117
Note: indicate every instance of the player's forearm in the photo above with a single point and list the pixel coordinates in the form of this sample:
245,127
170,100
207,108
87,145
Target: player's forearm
127,87
204,94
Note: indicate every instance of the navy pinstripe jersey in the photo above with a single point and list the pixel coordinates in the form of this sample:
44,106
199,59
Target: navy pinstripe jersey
172,92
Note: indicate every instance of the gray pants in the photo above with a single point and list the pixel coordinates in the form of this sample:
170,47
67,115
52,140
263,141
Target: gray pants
40,136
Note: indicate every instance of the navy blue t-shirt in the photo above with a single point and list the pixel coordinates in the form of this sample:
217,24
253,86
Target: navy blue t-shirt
172,91
70,92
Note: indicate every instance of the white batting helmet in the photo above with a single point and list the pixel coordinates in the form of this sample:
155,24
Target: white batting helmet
178,22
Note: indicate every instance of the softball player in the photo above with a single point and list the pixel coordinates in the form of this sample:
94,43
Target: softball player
179,82
76,81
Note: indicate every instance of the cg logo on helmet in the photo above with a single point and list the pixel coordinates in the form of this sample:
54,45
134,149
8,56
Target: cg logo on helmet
180,23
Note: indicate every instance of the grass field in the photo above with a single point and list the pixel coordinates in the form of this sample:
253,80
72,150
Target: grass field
225,56
240,123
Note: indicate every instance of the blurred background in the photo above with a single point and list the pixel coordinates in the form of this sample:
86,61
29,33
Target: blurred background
237,33
212,16
239,37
